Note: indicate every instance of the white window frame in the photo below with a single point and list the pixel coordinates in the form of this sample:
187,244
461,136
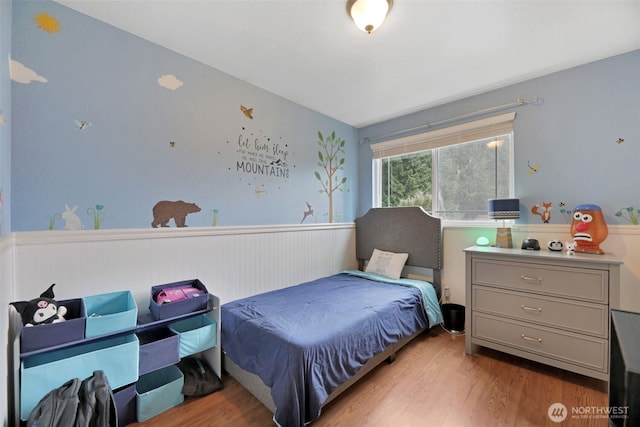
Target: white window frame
466,132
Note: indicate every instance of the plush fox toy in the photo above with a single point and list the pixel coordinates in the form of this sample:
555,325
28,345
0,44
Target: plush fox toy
40,311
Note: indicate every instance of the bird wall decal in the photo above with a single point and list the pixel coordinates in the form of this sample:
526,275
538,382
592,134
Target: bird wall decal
248,112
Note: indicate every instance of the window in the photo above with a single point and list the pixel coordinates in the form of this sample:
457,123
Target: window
450,172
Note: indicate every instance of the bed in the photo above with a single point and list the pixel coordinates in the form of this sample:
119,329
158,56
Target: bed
296,349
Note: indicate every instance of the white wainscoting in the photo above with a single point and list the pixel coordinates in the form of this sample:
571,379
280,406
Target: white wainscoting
623,241
6,296
232,262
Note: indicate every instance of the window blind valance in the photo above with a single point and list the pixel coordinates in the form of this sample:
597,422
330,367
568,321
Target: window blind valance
464,132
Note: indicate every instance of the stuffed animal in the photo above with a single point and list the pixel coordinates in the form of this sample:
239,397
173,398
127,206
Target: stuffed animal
40,311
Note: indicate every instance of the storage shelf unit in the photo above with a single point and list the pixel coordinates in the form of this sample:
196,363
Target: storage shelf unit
545,306
145,324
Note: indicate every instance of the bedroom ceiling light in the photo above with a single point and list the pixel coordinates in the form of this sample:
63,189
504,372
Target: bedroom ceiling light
368,15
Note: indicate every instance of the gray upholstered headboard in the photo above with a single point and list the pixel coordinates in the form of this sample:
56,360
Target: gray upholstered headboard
402,229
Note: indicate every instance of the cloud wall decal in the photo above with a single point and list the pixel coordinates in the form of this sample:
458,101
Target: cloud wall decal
22,74
170,81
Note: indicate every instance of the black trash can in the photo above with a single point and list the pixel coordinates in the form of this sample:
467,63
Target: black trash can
453,315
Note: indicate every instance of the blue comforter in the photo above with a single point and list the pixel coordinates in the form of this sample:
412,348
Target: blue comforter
306,340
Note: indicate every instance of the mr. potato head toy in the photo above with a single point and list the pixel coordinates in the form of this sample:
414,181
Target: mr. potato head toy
588,228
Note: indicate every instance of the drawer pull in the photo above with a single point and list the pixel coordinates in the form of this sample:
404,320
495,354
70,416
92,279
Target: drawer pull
526,338
525,308
531,279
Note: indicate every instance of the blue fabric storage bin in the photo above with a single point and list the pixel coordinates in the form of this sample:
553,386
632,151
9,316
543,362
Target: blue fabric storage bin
46,336
107,313
197,333
173,309
158,391
41,373
125,401
158,348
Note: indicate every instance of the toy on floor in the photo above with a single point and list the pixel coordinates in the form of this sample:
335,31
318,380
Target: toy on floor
42,310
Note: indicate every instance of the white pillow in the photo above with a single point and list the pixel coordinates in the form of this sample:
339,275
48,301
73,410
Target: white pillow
387,264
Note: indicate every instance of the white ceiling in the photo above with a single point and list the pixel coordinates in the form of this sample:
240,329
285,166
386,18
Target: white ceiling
428,52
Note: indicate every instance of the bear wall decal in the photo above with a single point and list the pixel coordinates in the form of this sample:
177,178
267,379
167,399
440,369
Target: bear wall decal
164,210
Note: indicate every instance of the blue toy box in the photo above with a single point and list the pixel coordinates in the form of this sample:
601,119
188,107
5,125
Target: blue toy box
158,348
158,391
178,308
197,334
41,373
111,312
53,334
125,402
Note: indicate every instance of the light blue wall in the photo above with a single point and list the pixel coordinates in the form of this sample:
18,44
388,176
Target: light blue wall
5,118
572,136
125,160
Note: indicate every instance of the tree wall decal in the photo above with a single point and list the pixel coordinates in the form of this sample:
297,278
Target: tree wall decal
330,162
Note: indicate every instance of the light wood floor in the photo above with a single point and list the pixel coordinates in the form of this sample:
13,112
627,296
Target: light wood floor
431,383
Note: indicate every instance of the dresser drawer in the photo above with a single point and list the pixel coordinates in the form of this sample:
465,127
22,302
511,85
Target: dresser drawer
577,316
578,283
581,350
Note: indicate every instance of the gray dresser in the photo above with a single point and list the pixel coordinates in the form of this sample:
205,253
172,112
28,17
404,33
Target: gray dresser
544,306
